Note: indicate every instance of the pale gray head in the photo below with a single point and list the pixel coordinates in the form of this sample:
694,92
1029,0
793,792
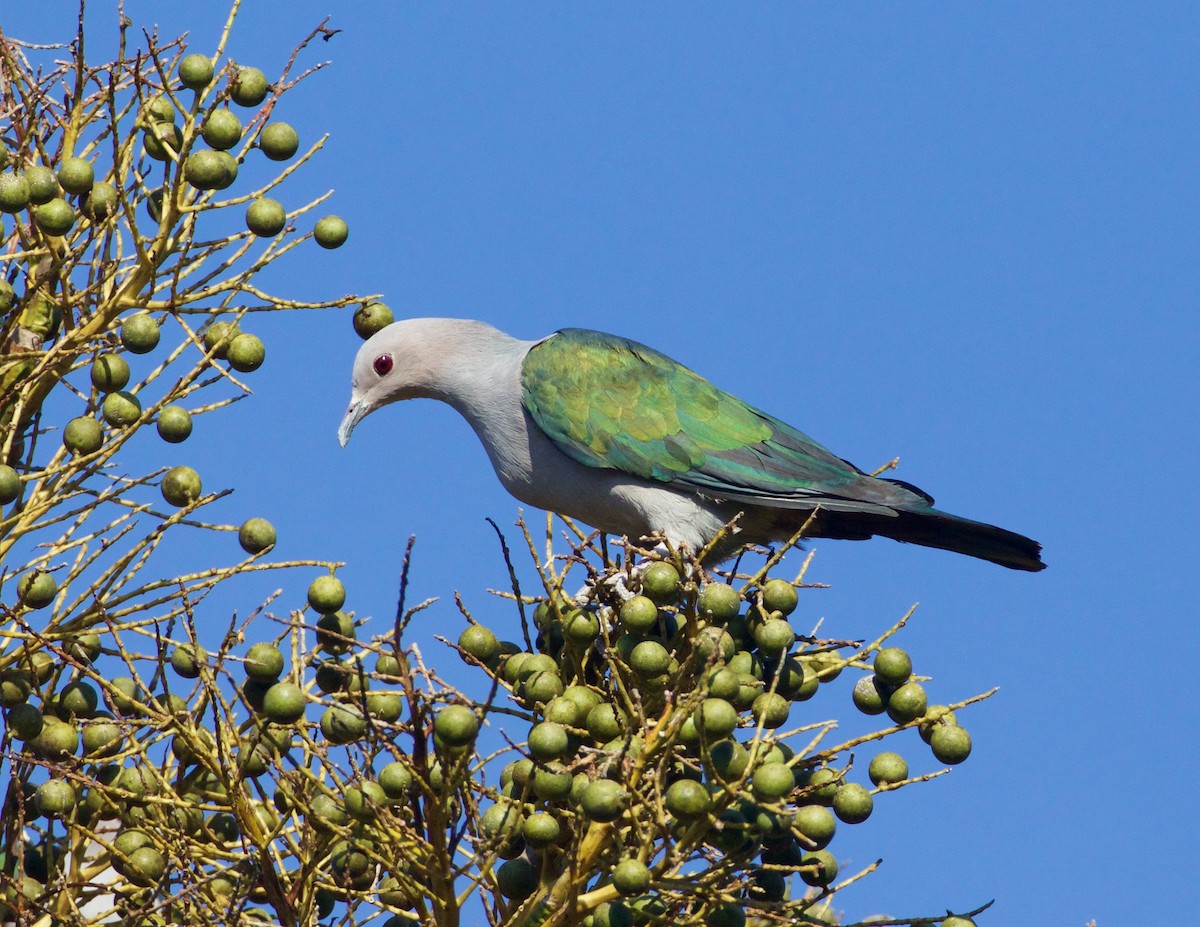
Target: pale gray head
414,359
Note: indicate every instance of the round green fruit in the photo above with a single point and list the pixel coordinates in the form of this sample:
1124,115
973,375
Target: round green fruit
778,595
222,129
893,666
719,602
102,201
229,165
370,318
818,868
256,535
660,583
456,725
14,193
396,779
196,72
174,424
43,185
817,823
278,141
770,709
548,741
772,782
55,217
517,879
870,696
54,798
25,721
631,877
145,866
266,217
687,799
727,914
331,231
206,170
181,486
480,643
83,435
955,921
887,768
186,660
249,87
639,614
908,703
162,140
110,372
158,109
10,484
246,353
218,337
852,803
284,703
541,829
121,409
264,662
649,659
139,333
37,589
336,633
76,175
950,743
343,724
604,800
774,637
326,594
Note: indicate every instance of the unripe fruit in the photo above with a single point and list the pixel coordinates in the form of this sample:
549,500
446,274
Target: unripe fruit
604,800
145,866
10,484
181,486
139,333
815,822
76,175
162,140
649,659
639,614
249,87
631,877
196,72
326,594
517,879
256,535
102,201
778,595
852,803
43,185
548,741
14,192
370,318
770,709
264,662
266,217
541,830
110,372
336,633
83,435
719,601
278,141
25,721
869,697
950,743
818,868
331,231
687,799
480,643
186,660
893,666
55,217
456,725
246,353
121,409
174,424
907,703
158,109
660,583
772,781
54,798
37,589
774,637
206,170
218,337
222,129
284,703
887,768
343,724
395,779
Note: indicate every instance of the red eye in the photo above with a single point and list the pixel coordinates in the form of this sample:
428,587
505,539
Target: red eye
383,365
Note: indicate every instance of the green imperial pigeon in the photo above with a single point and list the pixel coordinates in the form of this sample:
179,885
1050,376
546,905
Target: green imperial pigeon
617,435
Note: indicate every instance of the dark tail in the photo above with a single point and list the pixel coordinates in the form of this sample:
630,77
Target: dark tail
933,528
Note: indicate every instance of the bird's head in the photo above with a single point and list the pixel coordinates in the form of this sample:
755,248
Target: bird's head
409,359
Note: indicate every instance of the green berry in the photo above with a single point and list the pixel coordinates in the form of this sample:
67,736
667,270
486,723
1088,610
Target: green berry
186,660
162,140
852,803
950,743
370,318
480,643
548,741
887,768
772,782
331,231
256,535
139,333
326,594
14,193
770,709
181,486
284,703
893,666
158,109
55,217
174,424
818,868
206,170
83,436
278,141
456,726
870,696
264,662
54,798
218,337
817,823
660,583
395,779
248,87
266,217
37,589
10,484
110,372
43,185
631,877
604,800
101,201
121,409
196,72
246,353
76,175
222,129
639,614
720,602
908,703
779,596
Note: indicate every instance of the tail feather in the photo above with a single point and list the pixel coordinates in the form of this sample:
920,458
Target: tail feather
931,527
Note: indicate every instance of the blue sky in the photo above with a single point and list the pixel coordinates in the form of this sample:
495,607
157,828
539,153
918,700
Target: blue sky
961,234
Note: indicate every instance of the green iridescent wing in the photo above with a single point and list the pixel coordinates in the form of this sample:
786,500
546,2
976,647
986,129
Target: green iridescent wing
613,403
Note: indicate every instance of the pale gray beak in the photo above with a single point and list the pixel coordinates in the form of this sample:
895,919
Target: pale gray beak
357,411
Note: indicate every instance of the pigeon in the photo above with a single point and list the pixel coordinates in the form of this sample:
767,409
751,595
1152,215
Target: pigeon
615,434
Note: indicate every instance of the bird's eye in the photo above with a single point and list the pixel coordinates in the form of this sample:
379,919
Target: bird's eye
383,365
